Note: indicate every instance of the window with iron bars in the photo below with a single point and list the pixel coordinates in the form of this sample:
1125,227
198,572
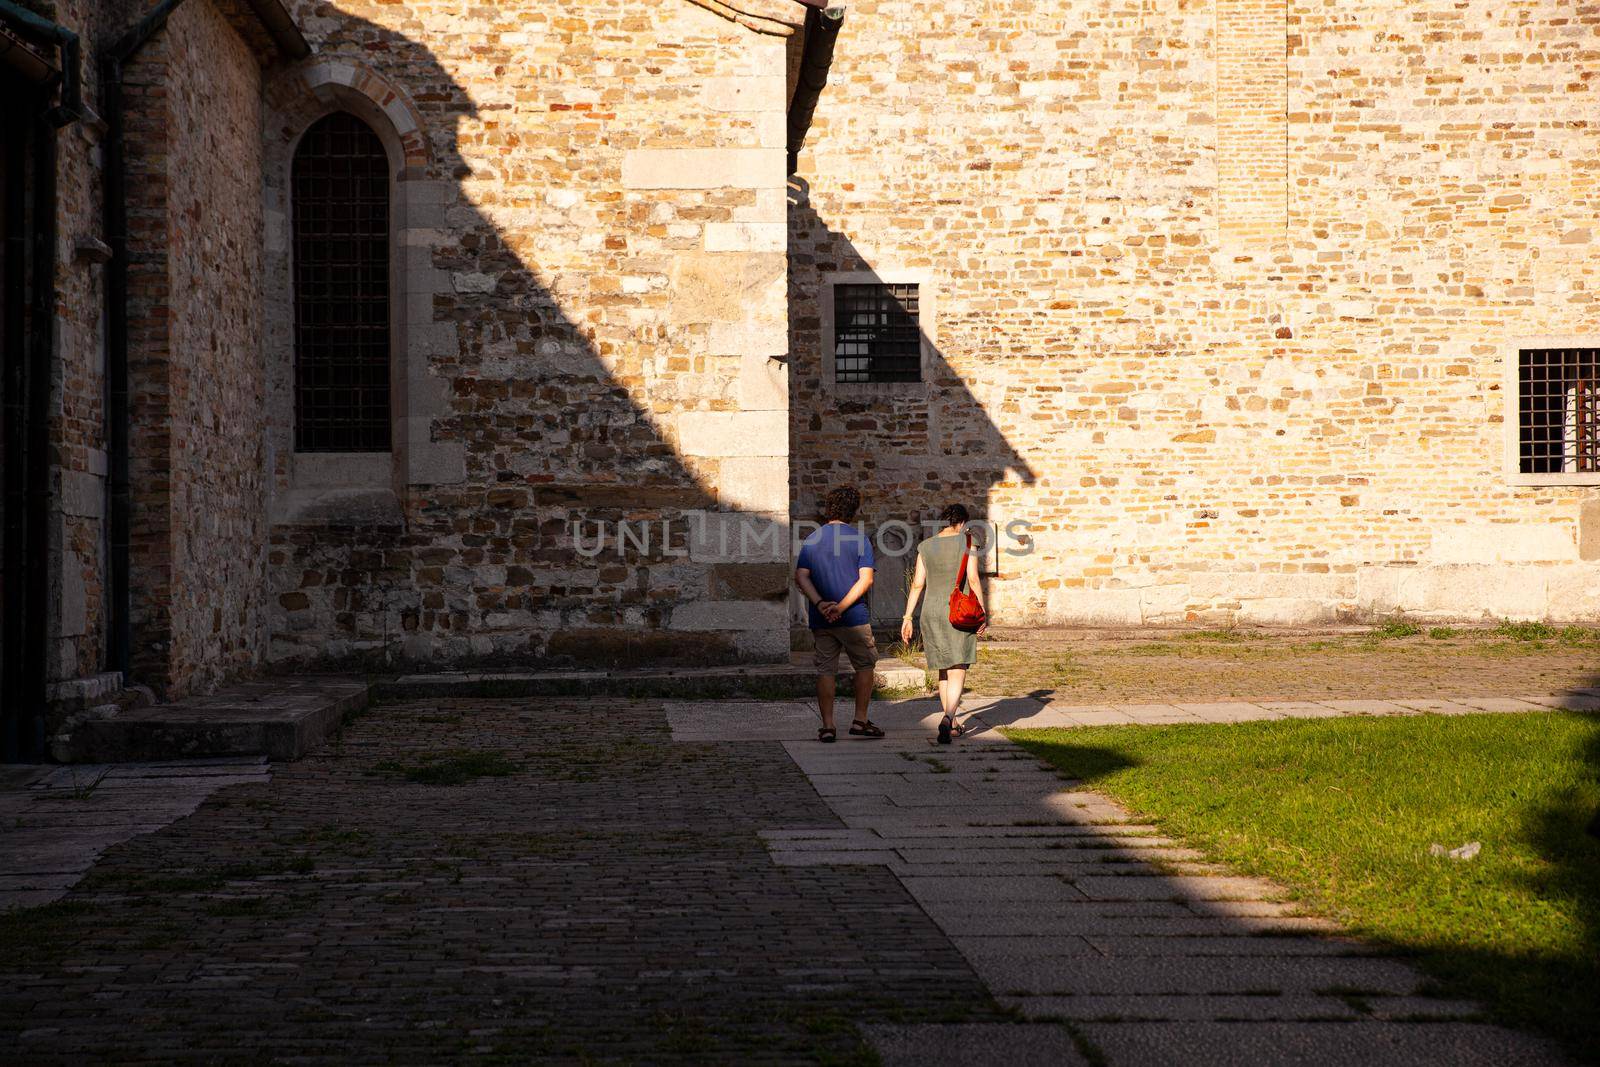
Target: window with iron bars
876,336
341,288
1559,402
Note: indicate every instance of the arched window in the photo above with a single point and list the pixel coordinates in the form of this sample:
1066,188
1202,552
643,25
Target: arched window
340,200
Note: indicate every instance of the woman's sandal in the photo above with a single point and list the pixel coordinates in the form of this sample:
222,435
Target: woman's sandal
827,735
864,729
948,727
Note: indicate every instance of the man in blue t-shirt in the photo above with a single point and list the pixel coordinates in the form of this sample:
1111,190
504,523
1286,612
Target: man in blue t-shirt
834,571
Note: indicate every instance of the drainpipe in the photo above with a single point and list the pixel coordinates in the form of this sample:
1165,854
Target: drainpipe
816,55
115,227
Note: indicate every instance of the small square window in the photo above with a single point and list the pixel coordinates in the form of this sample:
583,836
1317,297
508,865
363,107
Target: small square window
876,335
1558,404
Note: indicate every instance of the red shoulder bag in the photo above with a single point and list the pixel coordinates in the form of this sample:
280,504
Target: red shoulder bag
966,614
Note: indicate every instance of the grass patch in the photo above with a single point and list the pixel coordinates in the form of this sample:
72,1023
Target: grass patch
1395,628
1228,636
1442,633
1342,812
450,767
1525,631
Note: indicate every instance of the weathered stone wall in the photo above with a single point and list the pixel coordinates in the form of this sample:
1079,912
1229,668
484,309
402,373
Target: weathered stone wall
78,446
590,326
198,464
1223,294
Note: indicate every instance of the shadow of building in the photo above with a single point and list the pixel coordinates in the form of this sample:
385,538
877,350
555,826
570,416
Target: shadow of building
587,340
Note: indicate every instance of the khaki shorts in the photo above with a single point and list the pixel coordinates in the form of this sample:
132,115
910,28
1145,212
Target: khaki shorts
854,641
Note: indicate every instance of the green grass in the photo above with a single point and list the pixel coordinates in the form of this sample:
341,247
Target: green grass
1396,628
1342,812
450,767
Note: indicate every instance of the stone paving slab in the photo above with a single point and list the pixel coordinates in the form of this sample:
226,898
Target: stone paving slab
1118,929
1199,976
1380,1044
61,819
963,1045
917,719
1144,1008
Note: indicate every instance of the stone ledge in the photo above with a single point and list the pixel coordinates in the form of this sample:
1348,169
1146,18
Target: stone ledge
795,678
285,718
280,718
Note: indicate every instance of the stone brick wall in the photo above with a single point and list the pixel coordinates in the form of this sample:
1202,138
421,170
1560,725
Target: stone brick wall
198,470
591,325
78,501
1224,297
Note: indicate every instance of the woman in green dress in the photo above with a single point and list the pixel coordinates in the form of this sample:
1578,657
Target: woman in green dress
949,651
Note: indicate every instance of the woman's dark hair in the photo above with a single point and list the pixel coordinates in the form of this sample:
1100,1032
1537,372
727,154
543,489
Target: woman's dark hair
841,504
954,515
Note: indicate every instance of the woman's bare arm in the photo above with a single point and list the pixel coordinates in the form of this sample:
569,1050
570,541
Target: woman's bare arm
919,579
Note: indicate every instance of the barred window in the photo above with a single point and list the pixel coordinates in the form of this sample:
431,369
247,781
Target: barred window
1559,401
341,288
876,336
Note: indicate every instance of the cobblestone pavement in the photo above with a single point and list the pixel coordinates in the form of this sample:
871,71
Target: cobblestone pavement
599,893
699,882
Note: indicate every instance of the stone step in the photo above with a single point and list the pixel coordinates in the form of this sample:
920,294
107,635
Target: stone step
284,718
796,678
280,718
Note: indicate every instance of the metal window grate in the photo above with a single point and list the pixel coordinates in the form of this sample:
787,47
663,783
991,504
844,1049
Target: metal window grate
875,336
1559,394
341,288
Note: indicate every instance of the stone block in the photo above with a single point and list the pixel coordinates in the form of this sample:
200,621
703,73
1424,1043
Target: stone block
437,463
728,287
1501,542
1459,591
763,383
750,581
1286,611
83,494
1163,602
721,537
746,237
733,433
743,93
1589,528
758,485
729,615
1102,607
703,168
1573,592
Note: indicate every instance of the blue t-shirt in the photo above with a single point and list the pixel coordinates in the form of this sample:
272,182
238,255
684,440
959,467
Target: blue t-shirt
835,555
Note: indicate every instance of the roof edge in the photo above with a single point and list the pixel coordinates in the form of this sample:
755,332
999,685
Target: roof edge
774,18
281,27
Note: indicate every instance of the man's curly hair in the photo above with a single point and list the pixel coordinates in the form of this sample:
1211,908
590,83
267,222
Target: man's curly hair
842,504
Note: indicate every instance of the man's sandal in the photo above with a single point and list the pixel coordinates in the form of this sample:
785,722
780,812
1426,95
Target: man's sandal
827,735
864,729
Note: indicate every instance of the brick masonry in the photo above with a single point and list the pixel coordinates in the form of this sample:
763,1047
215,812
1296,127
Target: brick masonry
198,571
1224,295
590,249
1218,298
